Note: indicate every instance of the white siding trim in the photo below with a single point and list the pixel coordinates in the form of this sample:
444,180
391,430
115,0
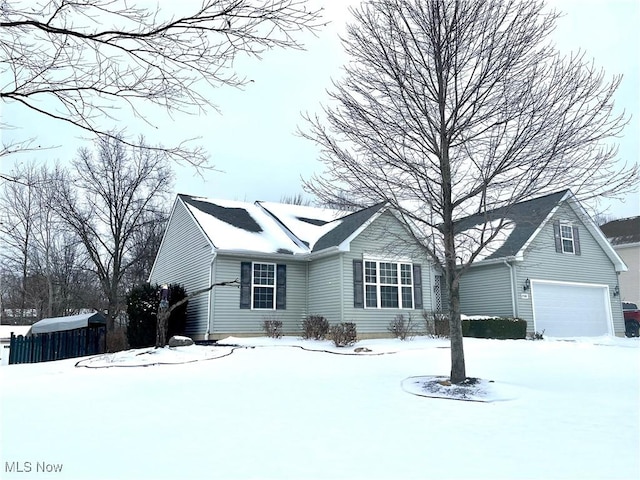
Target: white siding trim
345,246
520,254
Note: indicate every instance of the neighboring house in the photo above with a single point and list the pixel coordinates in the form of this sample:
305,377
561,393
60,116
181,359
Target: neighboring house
555,269
624,235
291,261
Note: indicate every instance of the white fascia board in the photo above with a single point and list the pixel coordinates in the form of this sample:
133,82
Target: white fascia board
589,224
323,253
164,236
520,253
495,261
622,246
345,246
213,247
263,255
598,235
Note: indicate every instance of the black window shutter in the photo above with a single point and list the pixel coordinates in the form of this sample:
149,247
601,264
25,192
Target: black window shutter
556,235
417,286
281,287
576,241
358,286
245,285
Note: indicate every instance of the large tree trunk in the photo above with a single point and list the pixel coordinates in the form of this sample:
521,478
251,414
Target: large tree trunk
458,369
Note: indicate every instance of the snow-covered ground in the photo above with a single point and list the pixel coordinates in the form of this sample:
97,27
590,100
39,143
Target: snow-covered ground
555,409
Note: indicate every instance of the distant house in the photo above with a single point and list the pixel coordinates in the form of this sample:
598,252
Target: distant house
624,235
291,261
555,269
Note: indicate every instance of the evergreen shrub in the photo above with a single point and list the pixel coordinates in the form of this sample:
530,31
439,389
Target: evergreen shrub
502,328
142,308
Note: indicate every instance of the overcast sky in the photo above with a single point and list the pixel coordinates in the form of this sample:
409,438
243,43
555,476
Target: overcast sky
252,142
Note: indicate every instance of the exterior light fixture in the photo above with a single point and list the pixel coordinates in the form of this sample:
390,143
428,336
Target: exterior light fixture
616,291
527,285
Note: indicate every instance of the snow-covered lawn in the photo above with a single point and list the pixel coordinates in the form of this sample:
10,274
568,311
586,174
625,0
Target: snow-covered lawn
556,409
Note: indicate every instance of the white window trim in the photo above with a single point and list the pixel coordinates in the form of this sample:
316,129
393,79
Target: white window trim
378,284
571,238
253,285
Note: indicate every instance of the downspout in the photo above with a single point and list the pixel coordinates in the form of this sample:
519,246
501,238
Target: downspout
514,304
210,310
306,306
342,286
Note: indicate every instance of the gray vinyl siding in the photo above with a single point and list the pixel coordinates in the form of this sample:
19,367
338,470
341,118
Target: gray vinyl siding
326,287
229,318
542,262
188,266
486,290
384,238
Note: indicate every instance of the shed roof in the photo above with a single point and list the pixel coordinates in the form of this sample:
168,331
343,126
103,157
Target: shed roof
59,324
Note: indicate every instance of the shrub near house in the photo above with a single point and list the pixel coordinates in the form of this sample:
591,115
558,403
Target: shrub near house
142,308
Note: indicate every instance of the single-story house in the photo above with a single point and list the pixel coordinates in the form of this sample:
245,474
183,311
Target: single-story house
291,261
555,269
624,236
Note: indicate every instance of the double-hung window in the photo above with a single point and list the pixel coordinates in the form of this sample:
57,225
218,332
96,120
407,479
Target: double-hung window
566,237
388,284
263,286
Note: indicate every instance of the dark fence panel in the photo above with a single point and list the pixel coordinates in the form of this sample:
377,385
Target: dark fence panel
45,347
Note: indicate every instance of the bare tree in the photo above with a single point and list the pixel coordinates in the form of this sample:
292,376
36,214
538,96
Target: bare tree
80,62
297,199
106,201
40,256
145,244
450,108
18,211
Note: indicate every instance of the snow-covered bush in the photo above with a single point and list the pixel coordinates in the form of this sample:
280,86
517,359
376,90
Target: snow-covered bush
437,323
403,327
315,327
343,334
272,328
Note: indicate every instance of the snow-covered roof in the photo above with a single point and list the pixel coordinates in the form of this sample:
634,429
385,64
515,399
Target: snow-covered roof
307,223
525,220
233,225
274,228
624,231
58,324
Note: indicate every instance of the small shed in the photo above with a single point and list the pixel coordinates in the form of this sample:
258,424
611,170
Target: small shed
60,337
72,322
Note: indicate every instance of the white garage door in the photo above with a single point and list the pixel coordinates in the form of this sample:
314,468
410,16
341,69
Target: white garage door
570,310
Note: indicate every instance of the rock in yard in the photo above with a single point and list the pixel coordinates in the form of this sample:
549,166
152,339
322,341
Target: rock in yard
178,341
361,349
